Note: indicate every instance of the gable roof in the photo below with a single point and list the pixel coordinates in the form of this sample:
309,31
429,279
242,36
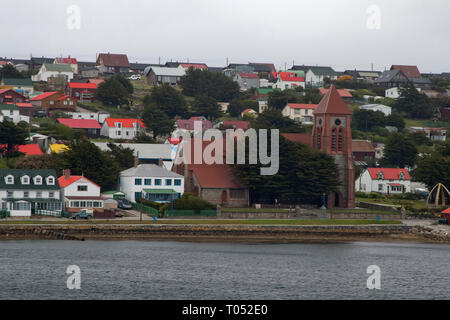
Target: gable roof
304,138
288,76
44,95
150,170
388,173
248,75
79,123
317,70
215,176
144,150
263,67
302,106
77,85
126,123
165,71
200,66
18,173
408,71
332,103
362,146
66,60
236,124
114,60
17,82
388,75
344,93
56,67
31,149
64,182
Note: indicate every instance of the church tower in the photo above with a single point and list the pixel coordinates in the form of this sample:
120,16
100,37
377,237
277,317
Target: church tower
332,134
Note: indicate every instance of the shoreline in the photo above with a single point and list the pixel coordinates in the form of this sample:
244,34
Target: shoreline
223,233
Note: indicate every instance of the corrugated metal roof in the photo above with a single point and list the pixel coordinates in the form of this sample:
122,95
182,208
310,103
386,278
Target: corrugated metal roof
165,71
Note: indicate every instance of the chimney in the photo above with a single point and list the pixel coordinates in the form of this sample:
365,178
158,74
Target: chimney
66,173
160,162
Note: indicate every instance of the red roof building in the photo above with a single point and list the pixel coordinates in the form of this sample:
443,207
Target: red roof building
54,100
332,103
235,124
82,91
344,93
389,173
90,126
10,96
384,180
28,149
200,66
408,71
118,128
68,60
125,123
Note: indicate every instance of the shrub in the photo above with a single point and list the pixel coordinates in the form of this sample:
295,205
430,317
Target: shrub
190,202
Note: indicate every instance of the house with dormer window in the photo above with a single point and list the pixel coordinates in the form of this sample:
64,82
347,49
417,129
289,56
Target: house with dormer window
24,192
126,129
384,180
78,192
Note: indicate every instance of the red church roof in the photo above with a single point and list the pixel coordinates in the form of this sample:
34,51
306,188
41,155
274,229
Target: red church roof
332,103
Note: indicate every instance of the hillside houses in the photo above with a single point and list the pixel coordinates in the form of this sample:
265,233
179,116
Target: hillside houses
120,128
113,63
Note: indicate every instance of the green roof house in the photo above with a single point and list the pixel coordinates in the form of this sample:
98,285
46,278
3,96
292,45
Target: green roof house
52,70
24,192
22,86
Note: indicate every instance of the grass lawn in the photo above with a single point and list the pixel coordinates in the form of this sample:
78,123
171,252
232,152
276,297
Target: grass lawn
280,222
250,210
413,122
416,204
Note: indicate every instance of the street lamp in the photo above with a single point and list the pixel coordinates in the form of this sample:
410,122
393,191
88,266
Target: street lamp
324,206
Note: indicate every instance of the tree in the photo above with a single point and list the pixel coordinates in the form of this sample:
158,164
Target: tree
11,136
54,161
433,169
304,174
413,103
167,99
279,99
112,92
273,119
125,82
123,156
9,71
207,107
398,152
367,120
212,84
86,158
157,120
396,120
236,106
419,139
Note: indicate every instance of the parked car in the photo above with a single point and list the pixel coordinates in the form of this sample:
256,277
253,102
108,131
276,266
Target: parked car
134,77
82,214
123,203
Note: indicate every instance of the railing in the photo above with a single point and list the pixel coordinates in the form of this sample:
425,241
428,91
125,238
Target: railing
190,213
50,213
146,209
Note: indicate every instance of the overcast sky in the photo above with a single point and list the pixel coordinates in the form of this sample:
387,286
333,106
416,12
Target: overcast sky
340,33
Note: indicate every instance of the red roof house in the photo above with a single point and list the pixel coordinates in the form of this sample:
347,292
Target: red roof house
113,62
90,126
344,93
408,71
120,128
82,91
389,173
28,149
10,96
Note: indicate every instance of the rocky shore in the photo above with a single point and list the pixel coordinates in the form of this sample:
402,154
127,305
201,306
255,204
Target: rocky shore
227,233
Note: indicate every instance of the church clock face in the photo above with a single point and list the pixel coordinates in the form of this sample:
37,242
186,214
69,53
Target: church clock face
337,122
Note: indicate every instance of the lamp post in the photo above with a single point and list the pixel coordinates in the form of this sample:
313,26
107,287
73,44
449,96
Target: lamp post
171,206
324,206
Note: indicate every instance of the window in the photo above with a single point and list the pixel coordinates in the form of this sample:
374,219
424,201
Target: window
51,180
39,194
177,182
168,182
296,111
10,194
51,194
9,180
380,175
333,139
148,182
137,182
82,188
25,180
157,182
137,195
22,206
26,194
38,180
402,176
380,187
119,133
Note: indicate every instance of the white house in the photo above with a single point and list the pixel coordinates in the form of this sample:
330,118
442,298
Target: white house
377,107
52,70
12,113
152,182
393,93
78,192
300,112
148,152
128,129
384,180
315,76
288,80
24,192
100,116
